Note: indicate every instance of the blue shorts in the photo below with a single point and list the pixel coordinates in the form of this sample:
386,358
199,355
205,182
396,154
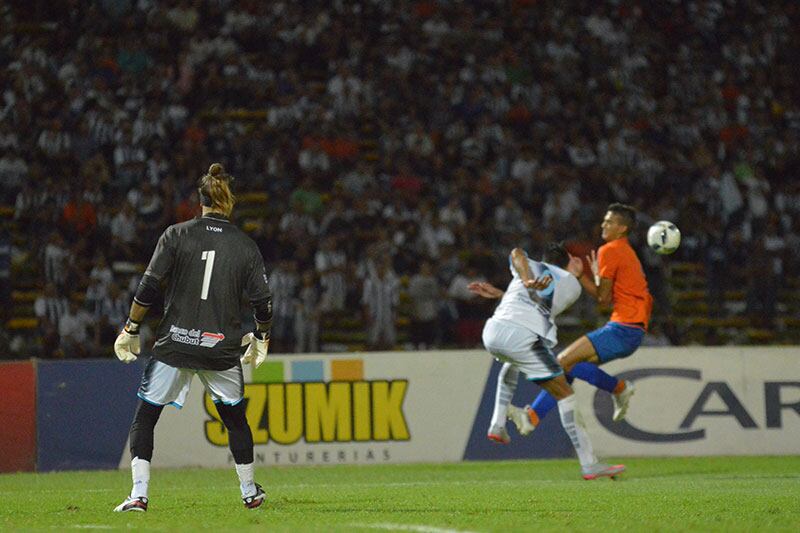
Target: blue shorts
615,340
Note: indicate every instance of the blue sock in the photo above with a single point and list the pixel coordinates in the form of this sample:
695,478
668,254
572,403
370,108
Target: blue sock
593,374
543,404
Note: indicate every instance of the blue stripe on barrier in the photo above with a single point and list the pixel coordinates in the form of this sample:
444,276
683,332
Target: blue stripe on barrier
548,441
84,410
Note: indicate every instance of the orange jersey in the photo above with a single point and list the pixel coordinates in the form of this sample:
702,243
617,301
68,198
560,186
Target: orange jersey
631,300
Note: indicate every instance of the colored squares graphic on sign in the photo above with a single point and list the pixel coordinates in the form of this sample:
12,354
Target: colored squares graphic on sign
269,372
308,371
347,370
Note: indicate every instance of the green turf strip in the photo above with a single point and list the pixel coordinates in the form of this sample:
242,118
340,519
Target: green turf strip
676,494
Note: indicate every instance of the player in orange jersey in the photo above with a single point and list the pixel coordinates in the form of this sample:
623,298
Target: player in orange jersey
618,281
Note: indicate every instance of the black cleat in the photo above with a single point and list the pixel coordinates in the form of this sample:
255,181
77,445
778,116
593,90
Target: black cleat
251,502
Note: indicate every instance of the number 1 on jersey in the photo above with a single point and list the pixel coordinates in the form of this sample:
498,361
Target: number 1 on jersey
208,257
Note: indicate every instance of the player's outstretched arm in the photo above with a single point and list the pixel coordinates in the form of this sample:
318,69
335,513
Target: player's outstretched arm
598,287
575,266
519,260
485,290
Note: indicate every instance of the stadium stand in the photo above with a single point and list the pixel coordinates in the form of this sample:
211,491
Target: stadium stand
445,131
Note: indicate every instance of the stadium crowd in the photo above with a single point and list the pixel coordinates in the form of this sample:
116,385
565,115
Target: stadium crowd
403,146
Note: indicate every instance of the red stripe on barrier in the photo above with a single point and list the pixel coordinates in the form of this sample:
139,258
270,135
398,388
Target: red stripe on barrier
17,417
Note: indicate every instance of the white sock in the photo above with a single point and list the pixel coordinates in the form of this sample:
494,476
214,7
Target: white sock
506,386
140,472
246,481
573,425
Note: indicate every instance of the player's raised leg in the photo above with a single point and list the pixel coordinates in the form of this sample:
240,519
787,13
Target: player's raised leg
574,355
612,341
581,350
506,386
581,359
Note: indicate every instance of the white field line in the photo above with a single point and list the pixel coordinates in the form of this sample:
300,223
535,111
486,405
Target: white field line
267,485
408,483
467,482
408,527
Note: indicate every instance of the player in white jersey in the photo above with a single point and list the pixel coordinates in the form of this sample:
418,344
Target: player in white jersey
522,333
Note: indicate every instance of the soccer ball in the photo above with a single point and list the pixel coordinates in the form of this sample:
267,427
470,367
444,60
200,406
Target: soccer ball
663,237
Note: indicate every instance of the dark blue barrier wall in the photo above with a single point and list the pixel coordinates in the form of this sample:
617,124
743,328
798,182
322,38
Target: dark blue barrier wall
548,441
84,410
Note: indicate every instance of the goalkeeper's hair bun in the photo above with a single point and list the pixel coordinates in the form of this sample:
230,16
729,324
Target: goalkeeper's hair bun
214,190
216,170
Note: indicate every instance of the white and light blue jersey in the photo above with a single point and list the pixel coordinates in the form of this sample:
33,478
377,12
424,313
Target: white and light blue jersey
536,310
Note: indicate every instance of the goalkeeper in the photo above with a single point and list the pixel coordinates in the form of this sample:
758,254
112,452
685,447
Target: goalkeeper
206,264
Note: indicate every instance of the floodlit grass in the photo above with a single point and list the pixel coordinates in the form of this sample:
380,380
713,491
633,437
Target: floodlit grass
698,494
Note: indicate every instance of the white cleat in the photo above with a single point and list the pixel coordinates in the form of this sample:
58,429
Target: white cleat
598,470
621,401
498,434
521,419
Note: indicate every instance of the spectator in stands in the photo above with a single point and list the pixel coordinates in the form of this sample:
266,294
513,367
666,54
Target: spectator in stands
330,263
100,279
452,214
283,282
123,234
49,308
13,174
129,160
379,300
433,235
57,260
73,330
110,311
425,294
79,216
307,315
470,309
484,119
5,273
297,224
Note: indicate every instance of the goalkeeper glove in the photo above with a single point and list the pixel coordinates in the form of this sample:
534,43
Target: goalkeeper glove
257,344
126,347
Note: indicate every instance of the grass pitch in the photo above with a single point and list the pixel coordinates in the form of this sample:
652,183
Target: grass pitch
698,494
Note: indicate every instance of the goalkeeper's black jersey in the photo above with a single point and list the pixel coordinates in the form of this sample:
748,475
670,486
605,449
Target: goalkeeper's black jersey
208,264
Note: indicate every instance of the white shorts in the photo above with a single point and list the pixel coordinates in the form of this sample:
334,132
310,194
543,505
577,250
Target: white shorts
163,384
521,347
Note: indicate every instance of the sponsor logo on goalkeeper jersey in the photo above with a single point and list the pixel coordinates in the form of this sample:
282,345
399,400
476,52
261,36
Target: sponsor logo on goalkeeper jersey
194,337
324,401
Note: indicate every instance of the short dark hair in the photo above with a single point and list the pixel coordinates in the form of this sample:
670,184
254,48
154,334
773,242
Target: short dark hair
626,212
555,254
